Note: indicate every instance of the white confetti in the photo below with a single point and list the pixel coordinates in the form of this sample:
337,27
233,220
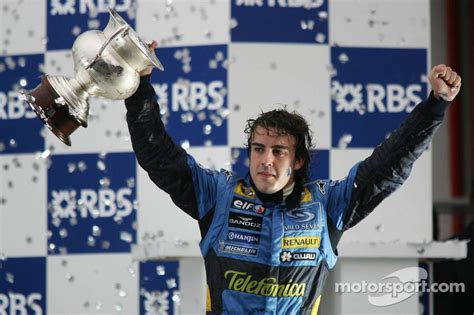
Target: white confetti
122,293
70,277
23,82
63,233
160,270
185,144
13,143
233,23
105,183
91,241
207,129
323,15
344,141
105,244
176,297
10,277
82,166
320,38
126,237
101,165
76,30
171,283
96,231
343,58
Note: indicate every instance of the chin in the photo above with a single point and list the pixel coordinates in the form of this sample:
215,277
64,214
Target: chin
267,190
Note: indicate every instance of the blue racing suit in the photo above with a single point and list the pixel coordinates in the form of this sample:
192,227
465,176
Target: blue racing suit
265,254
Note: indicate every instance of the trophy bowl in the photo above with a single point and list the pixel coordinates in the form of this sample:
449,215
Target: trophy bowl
106,63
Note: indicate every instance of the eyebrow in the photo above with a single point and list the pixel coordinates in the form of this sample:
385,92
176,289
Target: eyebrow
256,144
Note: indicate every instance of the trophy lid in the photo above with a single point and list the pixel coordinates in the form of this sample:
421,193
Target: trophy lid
136,40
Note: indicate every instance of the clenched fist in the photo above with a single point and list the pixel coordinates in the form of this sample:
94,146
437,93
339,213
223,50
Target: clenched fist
445,82
148,70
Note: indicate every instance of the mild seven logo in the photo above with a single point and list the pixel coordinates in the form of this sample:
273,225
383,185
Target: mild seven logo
300,215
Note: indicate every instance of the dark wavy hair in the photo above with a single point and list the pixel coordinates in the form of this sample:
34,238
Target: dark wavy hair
286,123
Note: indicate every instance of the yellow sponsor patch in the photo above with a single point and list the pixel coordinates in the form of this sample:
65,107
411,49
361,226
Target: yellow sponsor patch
269,286
301,242
244,191
306,196
208,300
315,309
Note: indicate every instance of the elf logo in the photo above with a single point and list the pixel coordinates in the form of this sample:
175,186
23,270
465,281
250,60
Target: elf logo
102,203
66,7
17,303
241,204
389,98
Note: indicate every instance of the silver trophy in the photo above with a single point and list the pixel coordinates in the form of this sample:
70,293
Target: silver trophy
105,64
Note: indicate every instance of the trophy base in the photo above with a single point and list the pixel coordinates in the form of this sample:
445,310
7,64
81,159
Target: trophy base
50,108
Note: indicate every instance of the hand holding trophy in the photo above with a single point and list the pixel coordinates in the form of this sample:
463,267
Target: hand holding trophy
106,64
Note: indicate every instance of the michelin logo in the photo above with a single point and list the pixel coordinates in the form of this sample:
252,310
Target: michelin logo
67,7
307,4
238,250
103,203
391,98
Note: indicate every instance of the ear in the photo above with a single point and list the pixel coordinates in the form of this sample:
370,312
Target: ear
298,164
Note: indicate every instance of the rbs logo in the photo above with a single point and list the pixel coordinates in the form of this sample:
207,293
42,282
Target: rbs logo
390,98
103,203
16,303
194,96
69,6
13,107
307,4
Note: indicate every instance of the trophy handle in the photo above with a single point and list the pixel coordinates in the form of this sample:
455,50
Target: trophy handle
120,30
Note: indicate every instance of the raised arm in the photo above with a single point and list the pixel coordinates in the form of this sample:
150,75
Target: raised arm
163,160
391,162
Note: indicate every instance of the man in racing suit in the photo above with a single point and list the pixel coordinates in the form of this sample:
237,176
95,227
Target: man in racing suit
269,239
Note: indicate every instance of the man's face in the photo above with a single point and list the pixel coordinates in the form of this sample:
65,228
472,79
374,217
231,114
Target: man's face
272,160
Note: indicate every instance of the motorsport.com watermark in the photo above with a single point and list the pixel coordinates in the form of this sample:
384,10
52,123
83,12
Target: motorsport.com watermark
406,282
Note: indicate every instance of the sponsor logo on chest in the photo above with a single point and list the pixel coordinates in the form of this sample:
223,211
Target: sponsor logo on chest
242,237
287,256
245,221
241,204
269,286
303,227
238,249
301,242
304,218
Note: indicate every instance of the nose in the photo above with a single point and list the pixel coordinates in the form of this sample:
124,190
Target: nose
267,159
